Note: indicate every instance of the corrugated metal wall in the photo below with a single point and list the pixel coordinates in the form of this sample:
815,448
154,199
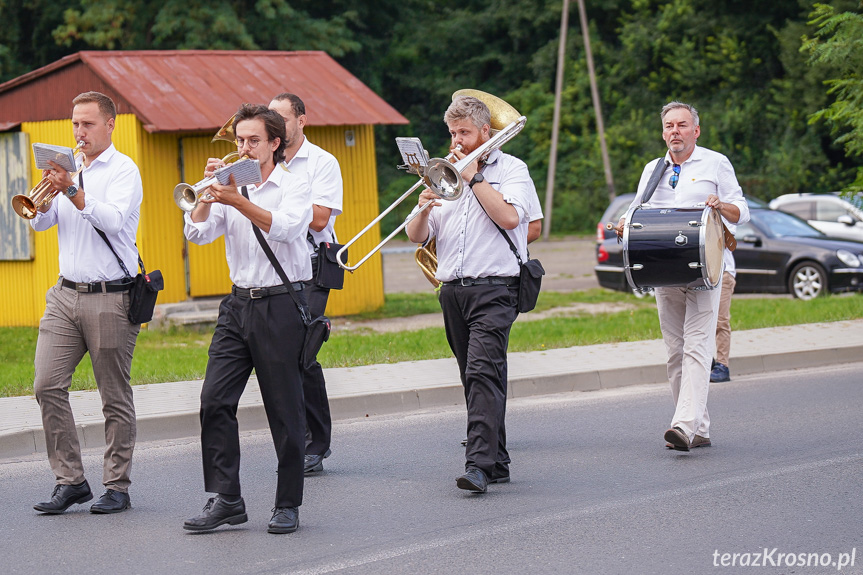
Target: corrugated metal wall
364,289
208,268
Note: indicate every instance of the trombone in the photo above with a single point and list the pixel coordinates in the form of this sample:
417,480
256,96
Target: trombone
188,196
443,177
42,193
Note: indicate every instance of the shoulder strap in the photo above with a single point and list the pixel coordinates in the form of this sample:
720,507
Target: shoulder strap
655,177
304,312
120,261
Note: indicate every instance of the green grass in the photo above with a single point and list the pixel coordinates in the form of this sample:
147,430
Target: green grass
176,355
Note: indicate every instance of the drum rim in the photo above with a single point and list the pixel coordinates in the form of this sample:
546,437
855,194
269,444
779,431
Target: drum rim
702,248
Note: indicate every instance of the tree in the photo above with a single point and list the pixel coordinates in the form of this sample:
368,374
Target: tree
838,44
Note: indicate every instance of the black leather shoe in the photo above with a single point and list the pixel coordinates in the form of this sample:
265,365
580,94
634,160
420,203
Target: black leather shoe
64,497
112,502
216,512
285,520
473,480
315,463
500,479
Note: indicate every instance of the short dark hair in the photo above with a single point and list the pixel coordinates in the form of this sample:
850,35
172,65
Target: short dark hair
297,105
273,123
106,104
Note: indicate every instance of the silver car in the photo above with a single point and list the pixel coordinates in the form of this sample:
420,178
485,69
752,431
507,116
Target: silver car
832,214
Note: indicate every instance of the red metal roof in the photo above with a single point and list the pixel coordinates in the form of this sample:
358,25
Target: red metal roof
198,90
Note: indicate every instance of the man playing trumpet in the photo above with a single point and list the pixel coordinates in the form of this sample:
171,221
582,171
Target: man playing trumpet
86,310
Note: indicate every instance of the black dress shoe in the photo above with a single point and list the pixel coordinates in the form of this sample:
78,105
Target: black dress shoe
217,512
64,497
315,463
499,479
473,480
112,502
285,520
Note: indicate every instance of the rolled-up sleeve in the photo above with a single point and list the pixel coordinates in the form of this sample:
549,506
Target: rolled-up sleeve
209,230
516,187
729,190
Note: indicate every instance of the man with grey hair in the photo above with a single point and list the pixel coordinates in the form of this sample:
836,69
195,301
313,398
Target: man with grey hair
479,272
687,316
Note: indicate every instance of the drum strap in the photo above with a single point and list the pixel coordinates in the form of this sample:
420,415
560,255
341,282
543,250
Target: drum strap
655,177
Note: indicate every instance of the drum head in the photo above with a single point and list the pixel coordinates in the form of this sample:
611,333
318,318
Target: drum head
712,246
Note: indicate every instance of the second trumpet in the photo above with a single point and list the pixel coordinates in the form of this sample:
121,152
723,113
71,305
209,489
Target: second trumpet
245,171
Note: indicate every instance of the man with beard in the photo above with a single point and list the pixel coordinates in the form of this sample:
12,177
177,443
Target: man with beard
479,295
260,325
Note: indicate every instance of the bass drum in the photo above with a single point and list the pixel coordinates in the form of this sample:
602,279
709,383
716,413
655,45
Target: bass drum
673,247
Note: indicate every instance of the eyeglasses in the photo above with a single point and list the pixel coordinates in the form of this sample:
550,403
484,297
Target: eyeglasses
252,142
675,177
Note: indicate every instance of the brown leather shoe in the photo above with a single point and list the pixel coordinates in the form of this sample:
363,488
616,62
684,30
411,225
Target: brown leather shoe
677,439
697,442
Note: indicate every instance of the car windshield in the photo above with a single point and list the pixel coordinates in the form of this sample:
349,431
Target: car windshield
778,224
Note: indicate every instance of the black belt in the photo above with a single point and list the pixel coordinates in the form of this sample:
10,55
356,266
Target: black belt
492,280
98,287
258,293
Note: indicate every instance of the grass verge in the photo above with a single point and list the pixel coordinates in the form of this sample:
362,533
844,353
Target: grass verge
178,355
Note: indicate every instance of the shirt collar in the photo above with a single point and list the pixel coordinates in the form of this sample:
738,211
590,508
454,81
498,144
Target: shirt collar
106,155
696,155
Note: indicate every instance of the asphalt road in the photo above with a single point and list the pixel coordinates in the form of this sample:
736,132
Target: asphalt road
594,491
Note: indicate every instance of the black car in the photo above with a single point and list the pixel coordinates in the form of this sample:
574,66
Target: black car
776,253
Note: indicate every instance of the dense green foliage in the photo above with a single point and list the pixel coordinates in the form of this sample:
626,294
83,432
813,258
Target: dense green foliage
777,83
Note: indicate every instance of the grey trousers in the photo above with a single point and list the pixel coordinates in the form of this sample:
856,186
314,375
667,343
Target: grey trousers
75,323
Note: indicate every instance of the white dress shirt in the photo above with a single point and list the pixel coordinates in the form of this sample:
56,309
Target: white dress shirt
325,178
112,202
286,196
705,172
469,244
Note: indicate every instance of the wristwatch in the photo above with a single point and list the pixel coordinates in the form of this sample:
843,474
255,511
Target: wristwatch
477,178
71,191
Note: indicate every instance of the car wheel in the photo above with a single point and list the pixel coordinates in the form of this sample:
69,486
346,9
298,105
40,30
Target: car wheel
807,281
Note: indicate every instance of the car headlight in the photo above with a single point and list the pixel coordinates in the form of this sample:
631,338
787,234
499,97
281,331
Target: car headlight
848,258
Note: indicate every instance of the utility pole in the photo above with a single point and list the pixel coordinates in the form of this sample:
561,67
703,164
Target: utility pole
555,122
594,92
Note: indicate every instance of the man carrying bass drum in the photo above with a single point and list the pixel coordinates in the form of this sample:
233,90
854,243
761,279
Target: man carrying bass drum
687,315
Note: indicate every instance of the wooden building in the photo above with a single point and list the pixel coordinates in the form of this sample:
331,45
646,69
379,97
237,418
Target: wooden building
169,106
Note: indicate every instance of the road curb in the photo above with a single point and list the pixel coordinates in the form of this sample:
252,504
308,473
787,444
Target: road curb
180,425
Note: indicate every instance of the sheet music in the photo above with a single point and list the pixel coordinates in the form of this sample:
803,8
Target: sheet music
246,173
61,155
412,152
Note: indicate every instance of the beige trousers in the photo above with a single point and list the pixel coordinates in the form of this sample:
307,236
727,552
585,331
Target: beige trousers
687,319
723,321
75,323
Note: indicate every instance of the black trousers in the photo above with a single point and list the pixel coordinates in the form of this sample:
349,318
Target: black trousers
477,321
267,335
318,421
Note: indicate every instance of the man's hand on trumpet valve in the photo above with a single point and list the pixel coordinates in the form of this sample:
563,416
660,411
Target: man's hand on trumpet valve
227,194
213,164
59,178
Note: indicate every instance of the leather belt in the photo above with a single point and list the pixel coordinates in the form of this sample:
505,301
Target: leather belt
491,280
261,292
98,287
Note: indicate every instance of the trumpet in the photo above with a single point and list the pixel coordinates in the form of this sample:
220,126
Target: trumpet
188,196
42,194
